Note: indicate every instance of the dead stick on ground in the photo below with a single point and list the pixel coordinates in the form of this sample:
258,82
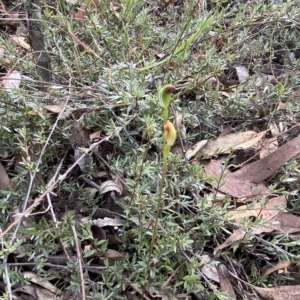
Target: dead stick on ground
79,258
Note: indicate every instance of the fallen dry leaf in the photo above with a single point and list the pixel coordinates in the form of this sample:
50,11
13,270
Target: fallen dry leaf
263,79
242,73
275,130
19,41
247,181
94,136
282,223
223,144
264,168
113,254
237,235
109,186
116,221
40,281
195,149
115,10
227,82
209,269
179,124
268,211
288,223
4,179
283,264
225,283
268,147
289,292
12,81
35,292
56,108
232,184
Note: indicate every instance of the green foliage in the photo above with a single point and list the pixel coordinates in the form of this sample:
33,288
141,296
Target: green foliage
109,68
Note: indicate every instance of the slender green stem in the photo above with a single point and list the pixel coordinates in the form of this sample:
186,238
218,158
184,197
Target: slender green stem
159,204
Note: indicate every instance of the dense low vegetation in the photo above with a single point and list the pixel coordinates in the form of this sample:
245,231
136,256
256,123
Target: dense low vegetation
82,143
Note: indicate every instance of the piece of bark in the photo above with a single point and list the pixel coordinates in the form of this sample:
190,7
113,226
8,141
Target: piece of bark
264,168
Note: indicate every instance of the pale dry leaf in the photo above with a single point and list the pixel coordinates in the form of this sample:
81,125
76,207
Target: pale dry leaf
109,186
268,146
291,292
242,73
22,29
268,211
36,293
237,235
288,223
2,51
209,269
12,81
225,283
269,269
262,169
283,223
233,184
279,293
56,108
40,281
275,130
117,179
19,41
252,142
195,149
4,179
223,144
113,254
95,135
115,222
267,227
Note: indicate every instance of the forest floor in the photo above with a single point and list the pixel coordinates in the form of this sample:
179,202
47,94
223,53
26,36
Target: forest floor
149,149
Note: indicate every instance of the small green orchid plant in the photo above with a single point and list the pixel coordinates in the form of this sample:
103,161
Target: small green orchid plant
170,135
